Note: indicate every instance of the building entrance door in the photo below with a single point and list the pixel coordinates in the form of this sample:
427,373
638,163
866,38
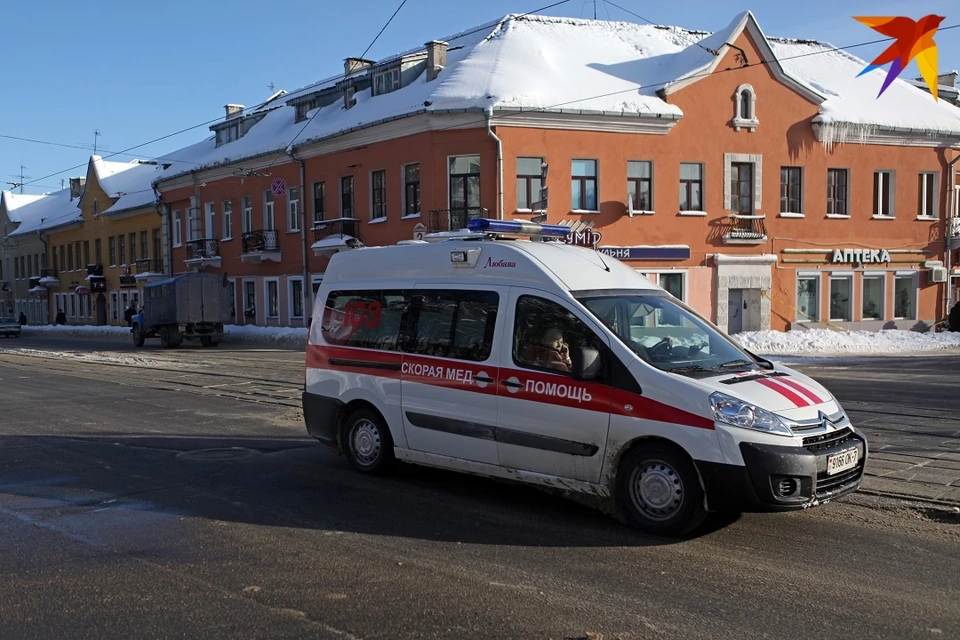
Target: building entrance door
101,309
735,311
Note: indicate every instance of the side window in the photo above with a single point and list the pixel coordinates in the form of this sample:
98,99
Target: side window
545,334
453,324
366,319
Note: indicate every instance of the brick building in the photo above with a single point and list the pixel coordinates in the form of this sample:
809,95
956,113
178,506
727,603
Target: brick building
756,178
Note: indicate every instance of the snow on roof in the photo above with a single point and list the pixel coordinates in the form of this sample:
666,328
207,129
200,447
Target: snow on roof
535,62
853,101
131,182
47,212
13,201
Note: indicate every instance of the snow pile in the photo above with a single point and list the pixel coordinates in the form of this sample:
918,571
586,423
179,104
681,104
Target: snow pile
281,336
828,342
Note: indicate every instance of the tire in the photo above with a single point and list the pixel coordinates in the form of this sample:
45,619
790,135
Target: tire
164,337
658,490
366,442
206,341
138,338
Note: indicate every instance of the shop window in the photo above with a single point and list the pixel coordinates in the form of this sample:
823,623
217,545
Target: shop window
905,297
841,298
873,302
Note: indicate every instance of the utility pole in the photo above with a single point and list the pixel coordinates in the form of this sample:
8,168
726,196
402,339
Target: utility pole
21,178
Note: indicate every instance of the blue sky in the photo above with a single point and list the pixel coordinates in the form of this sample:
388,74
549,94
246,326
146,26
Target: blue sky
138,74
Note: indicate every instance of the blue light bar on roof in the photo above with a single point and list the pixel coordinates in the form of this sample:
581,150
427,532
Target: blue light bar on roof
517,227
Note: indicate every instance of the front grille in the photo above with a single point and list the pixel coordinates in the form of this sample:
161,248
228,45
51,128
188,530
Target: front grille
829,484
827,440
838,419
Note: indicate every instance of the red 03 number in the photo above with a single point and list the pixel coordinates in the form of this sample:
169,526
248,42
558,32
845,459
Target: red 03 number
359,313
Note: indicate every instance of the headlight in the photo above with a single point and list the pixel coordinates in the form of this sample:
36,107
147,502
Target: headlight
738,413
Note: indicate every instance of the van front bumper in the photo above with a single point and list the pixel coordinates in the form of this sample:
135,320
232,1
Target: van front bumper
784,478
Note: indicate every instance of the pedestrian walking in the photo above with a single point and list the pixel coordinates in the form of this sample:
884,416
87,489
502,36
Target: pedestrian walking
23,318
954,319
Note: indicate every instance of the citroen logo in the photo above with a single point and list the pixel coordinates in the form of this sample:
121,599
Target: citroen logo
825,421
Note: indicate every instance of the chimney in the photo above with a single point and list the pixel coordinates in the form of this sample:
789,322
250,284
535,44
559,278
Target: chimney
76,187
233,110
436,58
352,65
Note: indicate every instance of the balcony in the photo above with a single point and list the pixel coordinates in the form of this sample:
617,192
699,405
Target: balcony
442,220
127,280
94,270
261,245
149,270
36,289
955,232
339,234
744,229
203,252
48,278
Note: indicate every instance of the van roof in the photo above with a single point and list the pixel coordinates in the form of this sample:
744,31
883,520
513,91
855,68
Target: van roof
547,265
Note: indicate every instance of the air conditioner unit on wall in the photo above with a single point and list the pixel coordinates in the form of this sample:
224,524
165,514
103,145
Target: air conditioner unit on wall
937,275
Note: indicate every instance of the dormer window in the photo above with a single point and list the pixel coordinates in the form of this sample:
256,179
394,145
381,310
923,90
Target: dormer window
386,80
306,107
229,133
745,108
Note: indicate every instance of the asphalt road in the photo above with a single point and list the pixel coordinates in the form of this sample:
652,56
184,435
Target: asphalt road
155,494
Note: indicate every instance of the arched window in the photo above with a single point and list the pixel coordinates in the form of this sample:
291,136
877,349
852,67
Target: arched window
745,108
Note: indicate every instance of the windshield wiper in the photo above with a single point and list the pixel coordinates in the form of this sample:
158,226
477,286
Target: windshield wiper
734,363
691,369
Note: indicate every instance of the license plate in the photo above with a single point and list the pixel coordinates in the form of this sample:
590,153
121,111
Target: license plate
842,461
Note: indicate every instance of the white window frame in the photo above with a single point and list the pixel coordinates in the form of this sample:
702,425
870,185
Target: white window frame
739,121
293,209
374,218
210,221
227,208
914,275
596,187
659,272
874,275
386,80
269,213
852,304
927,197
192,223
177,231
291,298
266,298
888,178
247,212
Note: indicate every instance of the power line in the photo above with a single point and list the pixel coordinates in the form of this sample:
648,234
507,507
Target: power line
370,46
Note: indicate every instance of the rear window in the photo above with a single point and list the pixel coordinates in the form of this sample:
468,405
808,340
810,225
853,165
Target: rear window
446,324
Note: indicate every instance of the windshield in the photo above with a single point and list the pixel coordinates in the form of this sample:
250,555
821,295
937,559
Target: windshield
666,333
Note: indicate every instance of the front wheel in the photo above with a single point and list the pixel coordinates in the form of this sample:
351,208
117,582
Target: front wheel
138,337
658,490
366,442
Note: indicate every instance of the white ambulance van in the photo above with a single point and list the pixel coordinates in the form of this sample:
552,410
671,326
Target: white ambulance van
504,354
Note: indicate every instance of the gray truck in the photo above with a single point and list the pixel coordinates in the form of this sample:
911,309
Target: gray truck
192,306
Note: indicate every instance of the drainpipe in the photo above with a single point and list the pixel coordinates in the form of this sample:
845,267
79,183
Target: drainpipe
950,221
489,113
45,247
307,288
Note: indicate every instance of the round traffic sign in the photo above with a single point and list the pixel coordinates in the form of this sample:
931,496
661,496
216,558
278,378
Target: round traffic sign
279,187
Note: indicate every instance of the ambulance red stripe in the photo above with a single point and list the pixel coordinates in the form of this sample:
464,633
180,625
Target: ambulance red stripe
802,390
786,392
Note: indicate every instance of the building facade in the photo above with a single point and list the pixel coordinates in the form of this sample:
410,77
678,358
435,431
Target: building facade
755,179
105,254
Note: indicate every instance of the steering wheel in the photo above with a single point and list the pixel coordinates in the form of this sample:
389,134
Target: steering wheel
662,348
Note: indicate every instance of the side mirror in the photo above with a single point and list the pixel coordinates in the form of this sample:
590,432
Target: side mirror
587,364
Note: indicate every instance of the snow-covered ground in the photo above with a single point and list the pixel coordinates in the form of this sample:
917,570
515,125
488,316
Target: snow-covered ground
827,342
279,336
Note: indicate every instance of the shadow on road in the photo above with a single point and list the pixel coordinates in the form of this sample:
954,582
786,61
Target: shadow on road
291,482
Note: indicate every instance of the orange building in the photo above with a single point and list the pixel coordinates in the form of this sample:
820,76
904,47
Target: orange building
756,178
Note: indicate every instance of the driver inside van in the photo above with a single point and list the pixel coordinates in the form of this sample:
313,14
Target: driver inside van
552,352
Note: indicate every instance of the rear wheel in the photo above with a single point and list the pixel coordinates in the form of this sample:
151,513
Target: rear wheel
138,338
658,490
164,337
366,442
207,341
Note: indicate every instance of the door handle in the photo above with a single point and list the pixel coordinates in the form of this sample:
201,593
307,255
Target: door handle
512,385
483,379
